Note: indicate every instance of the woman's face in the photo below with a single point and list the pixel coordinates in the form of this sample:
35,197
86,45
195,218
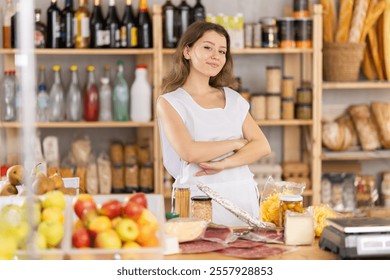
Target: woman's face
208,55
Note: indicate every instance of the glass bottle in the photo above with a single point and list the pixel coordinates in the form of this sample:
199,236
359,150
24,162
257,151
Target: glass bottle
8,109
9,11
185,17
121,96
141,96
81,25
169,25
129,36
18,96
73,97
53,25
97,27
107,73
42,76
57,98
40,30
91,97
198,11
105,99
42,104
145,30
66,28
113,26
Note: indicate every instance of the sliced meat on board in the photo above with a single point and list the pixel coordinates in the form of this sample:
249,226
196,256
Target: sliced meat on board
258,252
219,234
240,243
200,246
264,235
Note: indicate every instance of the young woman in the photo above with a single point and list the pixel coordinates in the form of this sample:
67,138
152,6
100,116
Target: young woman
207,133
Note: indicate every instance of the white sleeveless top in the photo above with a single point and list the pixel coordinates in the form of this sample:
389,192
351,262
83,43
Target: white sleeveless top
216,124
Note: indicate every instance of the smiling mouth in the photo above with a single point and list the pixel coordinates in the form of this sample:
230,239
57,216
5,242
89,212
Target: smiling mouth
214,65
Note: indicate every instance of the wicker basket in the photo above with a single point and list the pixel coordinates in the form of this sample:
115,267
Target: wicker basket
342,61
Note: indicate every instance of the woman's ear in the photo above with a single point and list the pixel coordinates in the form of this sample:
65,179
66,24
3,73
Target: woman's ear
186,52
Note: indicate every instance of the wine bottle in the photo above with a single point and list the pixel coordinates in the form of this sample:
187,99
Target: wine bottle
129,36
66,29
113,26
8,13
40,30
98,27
145,30
185,17
81,25
198,11
53,25
169,24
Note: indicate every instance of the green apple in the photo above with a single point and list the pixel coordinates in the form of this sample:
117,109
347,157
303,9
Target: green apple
54,199
127,230
52,231
40,241
108,239
8,245
53,214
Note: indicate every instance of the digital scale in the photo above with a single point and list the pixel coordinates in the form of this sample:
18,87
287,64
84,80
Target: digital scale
357,238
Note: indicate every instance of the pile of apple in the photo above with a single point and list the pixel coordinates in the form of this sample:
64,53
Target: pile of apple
114,224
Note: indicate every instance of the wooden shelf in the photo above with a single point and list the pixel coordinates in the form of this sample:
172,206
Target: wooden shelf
81,124
258,51
285,122
84,51
356,85
356,155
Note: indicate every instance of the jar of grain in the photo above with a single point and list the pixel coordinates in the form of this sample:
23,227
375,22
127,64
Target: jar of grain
288,87
146,178
292,203
182,202
273,79
201,208
304,95
273,106
303,111
116,153
258,110
130,153
288,108
118,184
131,178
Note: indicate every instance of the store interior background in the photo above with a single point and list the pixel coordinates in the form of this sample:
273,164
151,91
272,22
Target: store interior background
251,69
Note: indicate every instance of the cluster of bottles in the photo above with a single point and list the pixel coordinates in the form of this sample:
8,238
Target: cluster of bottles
177,19
69,28
93,103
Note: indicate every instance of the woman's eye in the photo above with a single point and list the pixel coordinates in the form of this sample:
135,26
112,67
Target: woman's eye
222,52
207,47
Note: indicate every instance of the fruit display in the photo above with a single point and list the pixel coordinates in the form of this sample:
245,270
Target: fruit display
49,217
105,226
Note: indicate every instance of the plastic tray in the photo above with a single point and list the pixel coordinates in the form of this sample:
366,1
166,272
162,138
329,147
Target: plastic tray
155,205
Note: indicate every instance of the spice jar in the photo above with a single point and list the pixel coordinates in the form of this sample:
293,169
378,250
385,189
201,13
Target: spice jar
292,203
303,32
182,202
273,106
286,32
288,87
273,79
201,208
304,95
146,178
269,33
303,111
258,110
288,108
300,8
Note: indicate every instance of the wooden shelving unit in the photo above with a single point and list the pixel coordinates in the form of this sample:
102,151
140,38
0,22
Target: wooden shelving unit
259,51
81,124
356,155
356,85
285,123
83,51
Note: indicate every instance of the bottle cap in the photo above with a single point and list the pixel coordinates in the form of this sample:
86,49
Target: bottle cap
171,215
73,68
142,66
56,68
120,62
42,88
90,68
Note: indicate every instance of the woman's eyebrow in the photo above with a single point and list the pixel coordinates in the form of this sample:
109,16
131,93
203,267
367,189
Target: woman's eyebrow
214,44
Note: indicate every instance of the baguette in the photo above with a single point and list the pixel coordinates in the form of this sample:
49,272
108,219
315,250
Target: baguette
386,39
373,40
374,12
358,19
379,31
328,20
346,9
368,66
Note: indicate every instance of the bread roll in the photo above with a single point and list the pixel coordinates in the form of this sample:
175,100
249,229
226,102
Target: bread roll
345,16
333,135
358,19
381,114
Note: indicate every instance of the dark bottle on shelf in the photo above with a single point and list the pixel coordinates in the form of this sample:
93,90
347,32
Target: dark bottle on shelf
129,33
14,28
198,11
40,30
169,24
99,38
113,26
53,25
66,27
145,30
184,17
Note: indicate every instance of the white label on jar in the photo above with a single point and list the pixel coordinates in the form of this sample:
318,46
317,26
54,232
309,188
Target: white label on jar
85,27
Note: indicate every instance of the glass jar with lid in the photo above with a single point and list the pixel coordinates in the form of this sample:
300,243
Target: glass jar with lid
290,202
201,208
269,33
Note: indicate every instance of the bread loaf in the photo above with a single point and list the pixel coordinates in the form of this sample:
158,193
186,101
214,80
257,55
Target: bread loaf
328,20
373,42
379,31
381,114
345,16
375,10
368,65
386,39
347,121
365,127
358,19
336,136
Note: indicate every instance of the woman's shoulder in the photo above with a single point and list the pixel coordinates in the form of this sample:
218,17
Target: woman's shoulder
174,93
229,92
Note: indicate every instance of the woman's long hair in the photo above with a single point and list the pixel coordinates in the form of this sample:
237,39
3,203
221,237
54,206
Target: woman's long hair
181,66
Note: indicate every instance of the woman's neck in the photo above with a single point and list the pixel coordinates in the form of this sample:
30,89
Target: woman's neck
197,84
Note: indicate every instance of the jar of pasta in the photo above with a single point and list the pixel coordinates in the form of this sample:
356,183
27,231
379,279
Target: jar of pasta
182,202
201,208
292,203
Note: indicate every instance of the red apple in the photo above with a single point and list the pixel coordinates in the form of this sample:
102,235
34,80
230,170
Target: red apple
111,209
139,198
88,216
81,238
132,210
83,203
108,239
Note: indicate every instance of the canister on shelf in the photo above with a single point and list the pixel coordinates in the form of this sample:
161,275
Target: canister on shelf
303,111
118,184
273,79
249,35
290,202
303,32
273,106
116,153
269,33
182,201
201,207
288,87
130,153
258,109
300,8
131,178
288,108
257,35
286,32
304,95
146,178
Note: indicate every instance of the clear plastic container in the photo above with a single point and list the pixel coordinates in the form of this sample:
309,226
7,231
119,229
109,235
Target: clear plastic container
293,203
141,96
121,96
42,104
105,94
8,103
57,98
73,98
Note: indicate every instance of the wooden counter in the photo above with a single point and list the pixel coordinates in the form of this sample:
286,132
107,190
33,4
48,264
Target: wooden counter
312,252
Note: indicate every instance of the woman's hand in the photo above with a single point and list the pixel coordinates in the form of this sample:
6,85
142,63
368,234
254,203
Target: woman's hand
210,168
